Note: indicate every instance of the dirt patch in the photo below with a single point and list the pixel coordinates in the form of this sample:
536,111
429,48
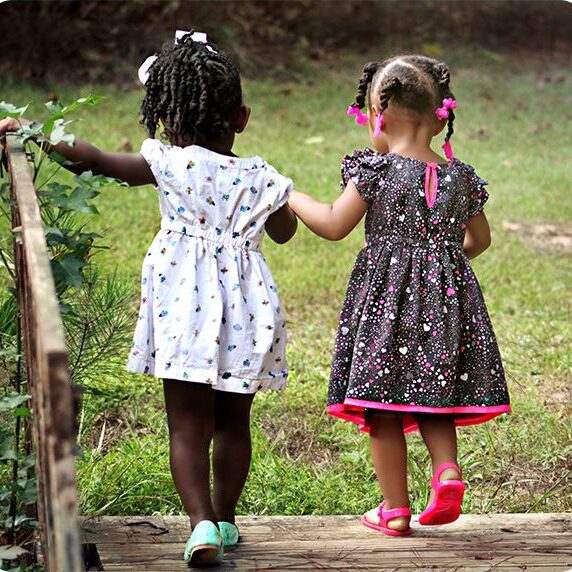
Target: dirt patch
555,237
113,427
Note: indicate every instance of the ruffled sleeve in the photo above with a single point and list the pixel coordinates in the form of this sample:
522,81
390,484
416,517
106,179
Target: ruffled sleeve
154,152
477,194
366,169
280,185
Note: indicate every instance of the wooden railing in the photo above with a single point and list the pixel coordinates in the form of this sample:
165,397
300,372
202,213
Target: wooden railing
47,373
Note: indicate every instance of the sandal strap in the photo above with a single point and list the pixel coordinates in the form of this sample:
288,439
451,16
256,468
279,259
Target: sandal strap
441,469
392,513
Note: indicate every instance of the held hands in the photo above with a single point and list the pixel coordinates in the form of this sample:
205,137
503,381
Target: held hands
330,221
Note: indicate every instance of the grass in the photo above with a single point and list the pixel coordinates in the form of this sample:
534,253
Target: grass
515,131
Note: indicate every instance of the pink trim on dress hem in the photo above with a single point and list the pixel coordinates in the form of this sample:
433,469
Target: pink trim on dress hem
354,410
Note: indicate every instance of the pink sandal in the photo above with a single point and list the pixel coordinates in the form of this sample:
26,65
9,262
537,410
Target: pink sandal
384,517
446,505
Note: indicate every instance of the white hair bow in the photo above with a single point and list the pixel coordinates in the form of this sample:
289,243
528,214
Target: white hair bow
201,37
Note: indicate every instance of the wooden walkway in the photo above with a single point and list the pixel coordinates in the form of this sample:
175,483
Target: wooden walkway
510,542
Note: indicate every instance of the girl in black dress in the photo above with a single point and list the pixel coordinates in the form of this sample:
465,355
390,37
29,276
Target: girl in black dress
415,348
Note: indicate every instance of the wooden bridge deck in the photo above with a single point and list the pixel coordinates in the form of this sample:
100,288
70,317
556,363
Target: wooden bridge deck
507,542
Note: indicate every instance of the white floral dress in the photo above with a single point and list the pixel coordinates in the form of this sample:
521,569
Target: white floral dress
210,312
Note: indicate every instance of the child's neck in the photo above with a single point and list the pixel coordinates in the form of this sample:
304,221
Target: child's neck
411,138
222,146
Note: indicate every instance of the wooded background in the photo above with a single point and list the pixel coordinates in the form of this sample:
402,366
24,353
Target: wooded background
71,41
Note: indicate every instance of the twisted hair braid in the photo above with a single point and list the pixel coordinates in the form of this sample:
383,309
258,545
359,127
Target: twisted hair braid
442,76
368,73
192,91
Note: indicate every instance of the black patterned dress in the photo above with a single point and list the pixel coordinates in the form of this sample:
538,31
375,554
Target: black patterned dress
414,333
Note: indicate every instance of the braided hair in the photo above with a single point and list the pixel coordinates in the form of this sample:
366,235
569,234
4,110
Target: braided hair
412,82
193,90
442,76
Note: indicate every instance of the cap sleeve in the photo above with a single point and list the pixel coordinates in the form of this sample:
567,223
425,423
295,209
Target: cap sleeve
280,185
366,169
153,151
477,194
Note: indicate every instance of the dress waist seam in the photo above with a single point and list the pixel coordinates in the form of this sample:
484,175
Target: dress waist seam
406,241
221,239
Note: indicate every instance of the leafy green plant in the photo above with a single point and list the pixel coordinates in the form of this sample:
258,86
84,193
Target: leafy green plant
94,309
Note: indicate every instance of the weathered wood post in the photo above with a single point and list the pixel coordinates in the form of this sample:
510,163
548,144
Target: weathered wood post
48,376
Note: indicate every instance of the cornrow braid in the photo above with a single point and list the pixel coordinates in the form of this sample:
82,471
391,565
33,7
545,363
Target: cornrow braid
192,89
388,89
368,73
415,83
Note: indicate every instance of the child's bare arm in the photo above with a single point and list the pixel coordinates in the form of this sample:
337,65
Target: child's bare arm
129,167
332,222
281,225
477,235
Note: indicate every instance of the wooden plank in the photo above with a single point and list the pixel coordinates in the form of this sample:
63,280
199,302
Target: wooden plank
312,527
48,321
47,372
474,542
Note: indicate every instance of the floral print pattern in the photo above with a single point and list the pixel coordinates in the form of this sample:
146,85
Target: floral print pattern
414,333
210,311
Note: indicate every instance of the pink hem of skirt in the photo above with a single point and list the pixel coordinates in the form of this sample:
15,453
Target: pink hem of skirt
354,410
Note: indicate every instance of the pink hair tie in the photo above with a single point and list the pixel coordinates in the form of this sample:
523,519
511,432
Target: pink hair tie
443,111
361,118
448,150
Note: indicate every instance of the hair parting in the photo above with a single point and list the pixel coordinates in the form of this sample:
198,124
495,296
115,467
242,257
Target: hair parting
416,83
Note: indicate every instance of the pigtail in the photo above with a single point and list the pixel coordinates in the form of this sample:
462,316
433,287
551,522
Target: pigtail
450,129
442,77
368,73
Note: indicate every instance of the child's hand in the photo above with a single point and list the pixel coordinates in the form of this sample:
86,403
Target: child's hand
8,125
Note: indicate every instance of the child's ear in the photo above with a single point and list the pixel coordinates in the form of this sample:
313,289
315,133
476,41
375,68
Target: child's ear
240,119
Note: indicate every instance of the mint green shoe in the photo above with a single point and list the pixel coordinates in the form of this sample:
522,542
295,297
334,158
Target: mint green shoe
205,546
229,533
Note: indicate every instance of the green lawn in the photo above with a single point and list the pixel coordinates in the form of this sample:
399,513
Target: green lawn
518,136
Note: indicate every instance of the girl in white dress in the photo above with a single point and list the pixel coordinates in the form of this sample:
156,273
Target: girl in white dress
210,324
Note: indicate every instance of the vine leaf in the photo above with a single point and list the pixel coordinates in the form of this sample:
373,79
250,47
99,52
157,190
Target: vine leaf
78,201
59,134
58,111
13,400
9,110
67,270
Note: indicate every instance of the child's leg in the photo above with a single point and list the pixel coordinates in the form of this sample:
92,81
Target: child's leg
389,453
190,415
232,451
440,436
